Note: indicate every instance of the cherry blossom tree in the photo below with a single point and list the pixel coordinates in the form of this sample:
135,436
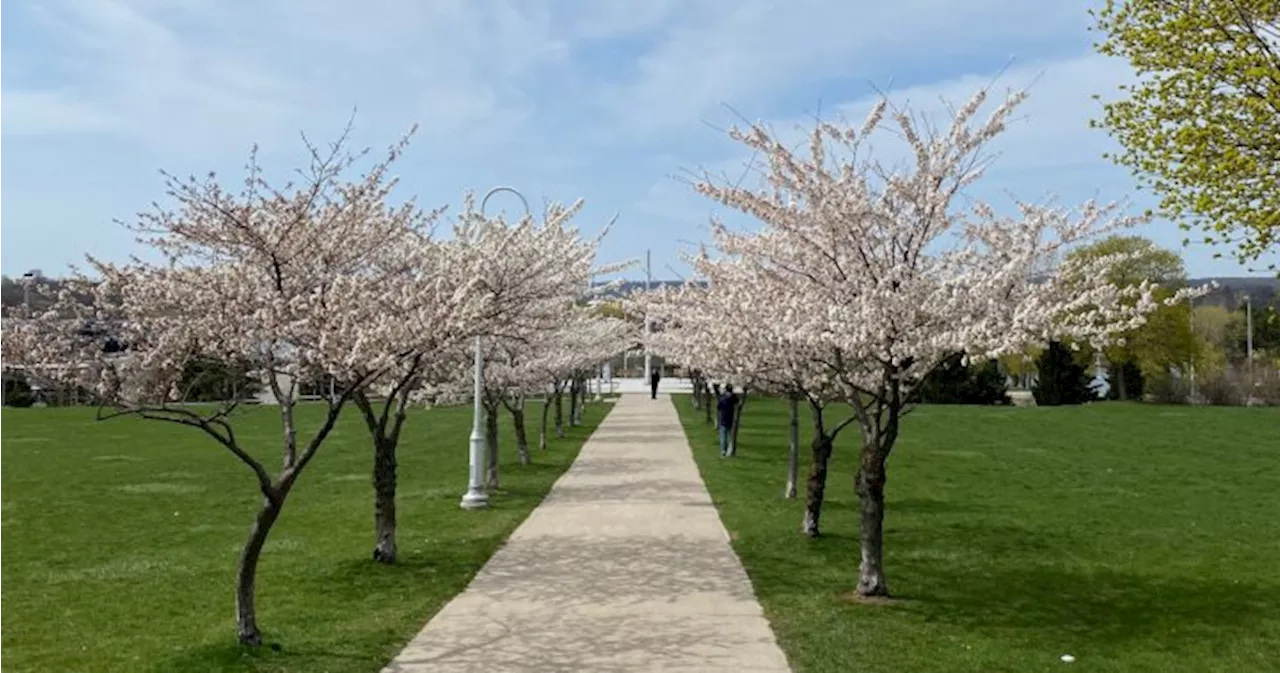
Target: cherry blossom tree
517,369
585,340
737,330
295,280
890,275
501,280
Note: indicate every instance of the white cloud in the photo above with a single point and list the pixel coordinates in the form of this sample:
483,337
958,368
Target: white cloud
1048,151
566,98
733,53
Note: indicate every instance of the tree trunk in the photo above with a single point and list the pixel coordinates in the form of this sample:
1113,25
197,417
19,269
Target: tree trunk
793,463
542,430
1122,390
247,572
491,446
384,501
559,411
584,389
385,441
575,402
522,437
870,488
817,486
709,408
737,423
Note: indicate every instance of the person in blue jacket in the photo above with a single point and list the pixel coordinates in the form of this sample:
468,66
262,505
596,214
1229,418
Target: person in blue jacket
726,407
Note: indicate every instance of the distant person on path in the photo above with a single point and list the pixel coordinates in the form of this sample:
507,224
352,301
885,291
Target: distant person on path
654,377
726,407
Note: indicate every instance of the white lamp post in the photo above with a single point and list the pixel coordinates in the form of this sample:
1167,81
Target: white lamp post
476,497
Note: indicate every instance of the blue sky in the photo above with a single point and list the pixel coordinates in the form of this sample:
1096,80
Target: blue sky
605,100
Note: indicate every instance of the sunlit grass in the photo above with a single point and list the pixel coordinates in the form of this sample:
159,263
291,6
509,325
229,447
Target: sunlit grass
121,540
1135,538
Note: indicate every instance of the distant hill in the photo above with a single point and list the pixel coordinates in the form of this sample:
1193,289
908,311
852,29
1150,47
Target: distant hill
630,287
1230,293
1231,290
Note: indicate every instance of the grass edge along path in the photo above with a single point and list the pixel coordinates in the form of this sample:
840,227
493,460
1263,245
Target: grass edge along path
123,538
1133,537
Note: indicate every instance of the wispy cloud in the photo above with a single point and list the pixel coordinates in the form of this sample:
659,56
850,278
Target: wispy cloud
51,111
562,98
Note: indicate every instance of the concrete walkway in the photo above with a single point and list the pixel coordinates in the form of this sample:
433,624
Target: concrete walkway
624,567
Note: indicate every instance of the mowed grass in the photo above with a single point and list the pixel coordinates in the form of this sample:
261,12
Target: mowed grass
1134,538
122,538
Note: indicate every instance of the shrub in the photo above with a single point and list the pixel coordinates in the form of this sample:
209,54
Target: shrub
1225,387
205,380
951,382
17,393
1134,381
1166,388
1061,380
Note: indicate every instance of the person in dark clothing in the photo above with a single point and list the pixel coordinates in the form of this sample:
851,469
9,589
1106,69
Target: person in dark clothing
654,377
727,407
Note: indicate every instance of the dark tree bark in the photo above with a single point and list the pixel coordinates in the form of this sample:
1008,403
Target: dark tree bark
817,485
793,461
384,502
737,422
870,488
516,407
709,408
247,571
385,430
274,495
880,426
583,391
542,429
491,445
559,410
575,401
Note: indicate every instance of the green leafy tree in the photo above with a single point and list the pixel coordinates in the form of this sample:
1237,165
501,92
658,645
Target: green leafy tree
1166,340
1201,127
1021,366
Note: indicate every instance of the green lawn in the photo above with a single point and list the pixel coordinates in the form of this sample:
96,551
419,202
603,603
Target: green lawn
1135,538
123,536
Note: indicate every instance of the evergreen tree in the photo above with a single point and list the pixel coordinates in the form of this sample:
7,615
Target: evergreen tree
1130,373
1061,379
954,383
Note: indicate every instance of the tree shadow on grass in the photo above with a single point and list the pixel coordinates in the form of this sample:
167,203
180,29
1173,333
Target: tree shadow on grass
914,506
272,656
1099,605
1001,577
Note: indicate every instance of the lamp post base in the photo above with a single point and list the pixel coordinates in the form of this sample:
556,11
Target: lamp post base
475,499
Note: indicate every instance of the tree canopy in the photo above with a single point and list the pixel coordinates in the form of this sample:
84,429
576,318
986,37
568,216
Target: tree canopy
1201,127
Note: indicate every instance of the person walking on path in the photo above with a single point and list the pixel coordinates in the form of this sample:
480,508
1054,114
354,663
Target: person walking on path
726,407
654,377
